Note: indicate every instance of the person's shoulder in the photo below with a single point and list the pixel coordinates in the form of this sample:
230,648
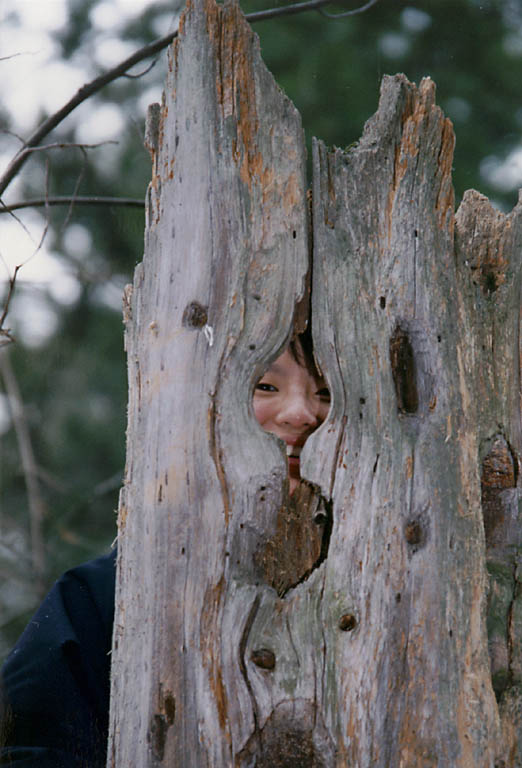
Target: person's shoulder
56,679
93,581
78,609
98,575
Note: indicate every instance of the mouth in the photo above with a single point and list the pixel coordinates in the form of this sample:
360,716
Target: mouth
293,451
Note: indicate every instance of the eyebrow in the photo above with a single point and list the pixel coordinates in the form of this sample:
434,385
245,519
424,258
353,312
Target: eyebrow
274,368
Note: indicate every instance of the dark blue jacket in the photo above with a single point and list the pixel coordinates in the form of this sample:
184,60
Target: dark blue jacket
55,682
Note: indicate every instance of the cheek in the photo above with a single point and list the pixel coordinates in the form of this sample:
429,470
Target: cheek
323,411
261,410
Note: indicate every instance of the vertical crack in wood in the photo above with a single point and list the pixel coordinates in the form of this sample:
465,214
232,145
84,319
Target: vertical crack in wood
511,626
210,649
499,474
215,452
243,667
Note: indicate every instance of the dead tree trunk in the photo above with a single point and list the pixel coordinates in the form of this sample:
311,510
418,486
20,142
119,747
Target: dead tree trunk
350,626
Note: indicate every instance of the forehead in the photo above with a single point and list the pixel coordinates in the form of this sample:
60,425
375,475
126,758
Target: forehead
287,366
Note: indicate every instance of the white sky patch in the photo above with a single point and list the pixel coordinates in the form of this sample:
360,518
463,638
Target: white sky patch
32,318
415,20
77,240
105,16
111,13
132,7
165,23
504,174
40,269
105,123
110,51
110,293
150,96
18,244
45,16
66,290
35,79
24,29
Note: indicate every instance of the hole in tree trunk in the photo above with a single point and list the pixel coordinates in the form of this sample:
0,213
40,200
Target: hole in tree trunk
294,736
404,371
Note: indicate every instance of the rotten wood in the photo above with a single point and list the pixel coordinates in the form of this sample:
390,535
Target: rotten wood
417,314
225,264
347,626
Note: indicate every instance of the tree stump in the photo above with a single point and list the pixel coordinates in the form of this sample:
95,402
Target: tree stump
347,626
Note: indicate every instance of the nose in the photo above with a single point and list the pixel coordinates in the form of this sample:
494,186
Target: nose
299,410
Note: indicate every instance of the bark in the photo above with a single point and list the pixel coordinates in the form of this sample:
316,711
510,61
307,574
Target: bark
423,359
349,625
226,258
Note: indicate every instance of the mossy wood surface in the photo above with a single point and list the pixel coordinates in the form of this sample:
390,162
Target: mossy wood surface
375,618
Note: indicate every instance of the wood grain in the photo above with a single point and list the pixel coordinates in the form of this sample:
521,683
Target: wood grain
349,626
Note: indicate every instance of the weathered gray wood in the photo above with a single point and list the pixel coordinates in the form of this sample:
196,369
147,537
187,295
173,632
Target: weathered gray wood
225,262
347,627
489,274
398,284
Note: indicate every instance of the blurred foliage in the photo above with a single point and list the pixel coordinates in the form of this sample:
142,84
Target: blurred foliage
73,383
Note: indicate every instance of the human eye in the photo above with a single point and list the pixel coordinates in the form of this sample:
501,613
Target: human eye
264,386
323,394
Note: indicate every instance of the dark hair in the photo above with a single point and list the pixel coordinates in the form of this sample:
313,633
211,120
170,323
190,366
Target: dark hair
302,350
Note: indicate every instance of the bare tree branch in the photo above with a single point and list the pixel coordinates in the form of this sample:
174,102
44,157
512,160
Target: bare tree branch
131,202
75,190
7,132
143,73
290,10
5,333
34,497
7,209
345,14
87,90
63,145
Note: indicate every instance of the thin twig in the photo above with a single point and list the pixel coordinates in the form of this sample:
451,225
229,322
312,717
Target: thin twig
12,133
290,10
6,209
19,53
38,202
143,73
87,90
345,14
5,333
64,145
34,497
75,190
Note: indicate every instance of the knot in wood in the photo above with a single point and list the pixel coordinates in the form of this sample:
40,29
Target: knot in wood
499,466
263,658
413,532
347,622
404,372
194,315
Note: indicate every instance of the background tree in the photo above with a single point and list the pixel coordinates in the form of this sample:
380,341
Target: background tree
71,378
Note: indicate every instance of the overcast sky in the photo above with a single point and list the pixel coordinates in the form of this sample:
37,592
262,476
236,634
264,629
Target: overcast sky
34,78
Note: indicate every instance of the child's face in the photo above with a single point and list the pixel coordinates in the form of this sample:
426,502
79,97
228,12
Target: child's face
291,403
